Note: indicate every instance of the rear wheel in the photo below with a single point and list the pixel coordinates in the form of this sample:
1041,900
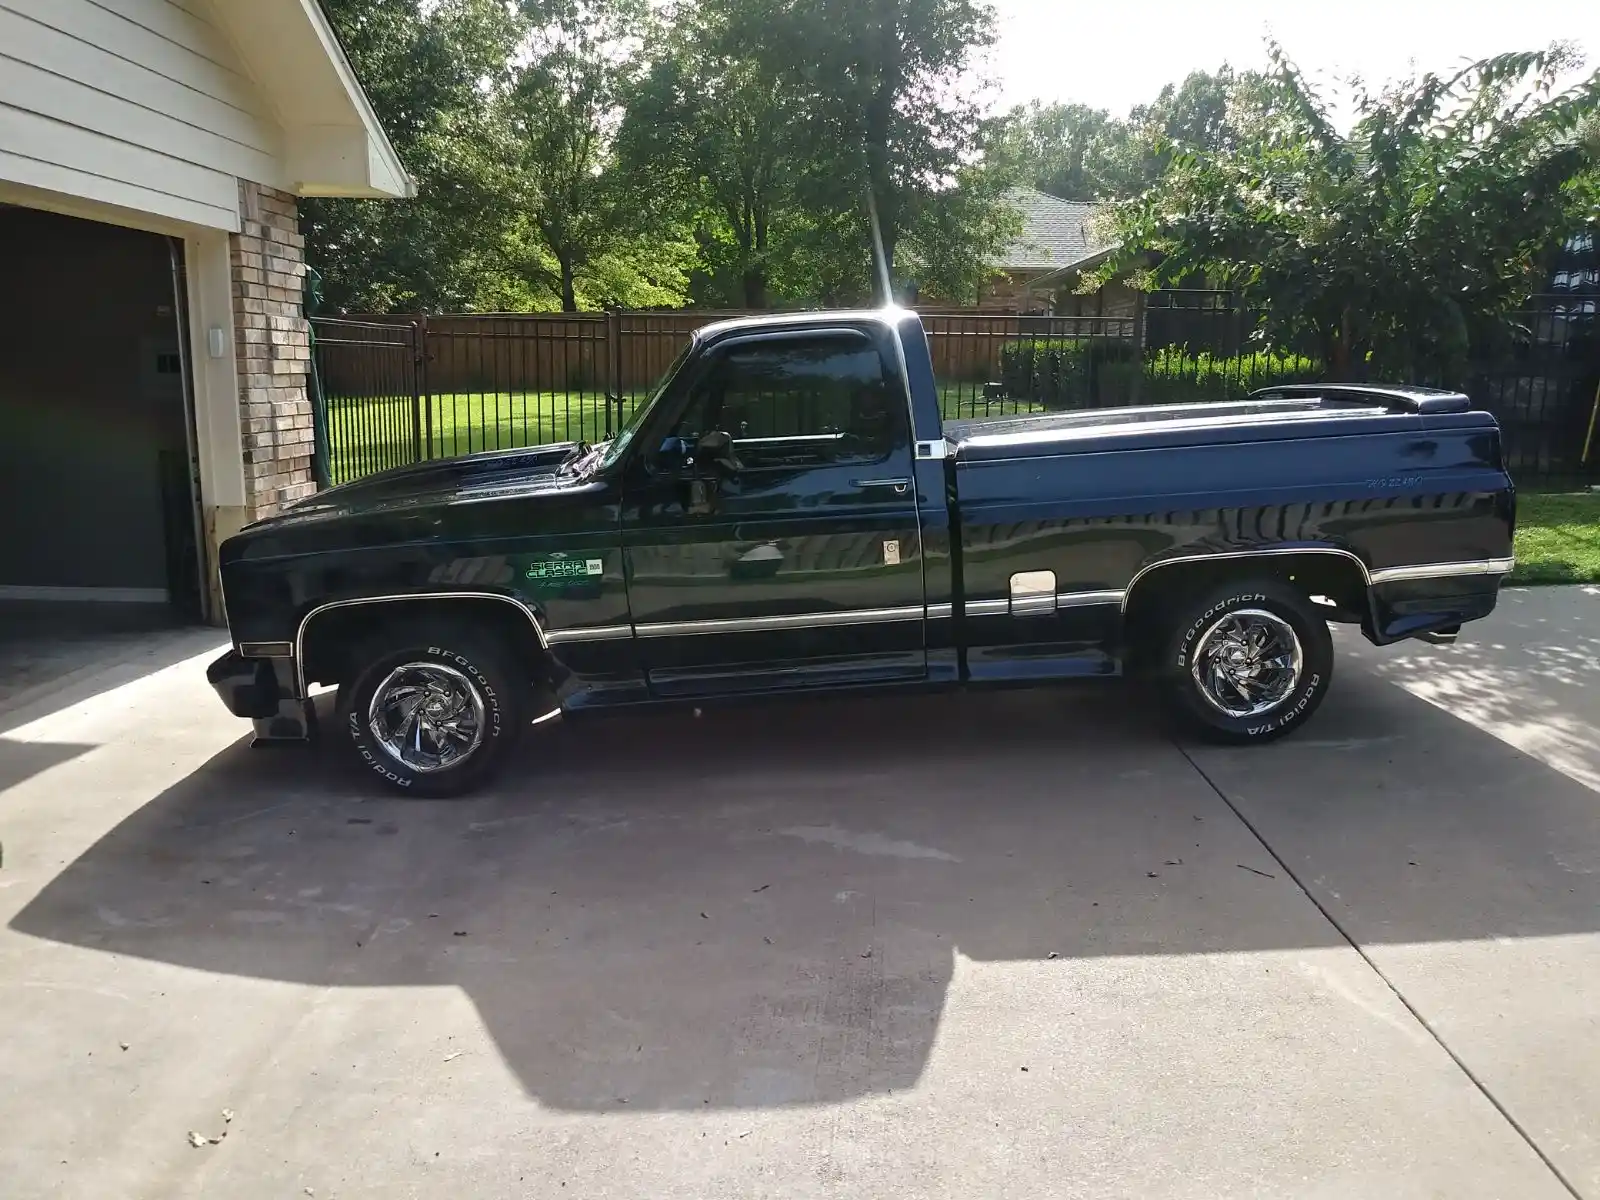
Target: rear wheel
1249,662
433,710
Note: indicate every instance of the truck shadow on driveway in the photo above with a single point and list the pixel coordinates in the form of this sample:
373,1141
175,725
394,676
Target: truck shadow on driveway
770,905
23,760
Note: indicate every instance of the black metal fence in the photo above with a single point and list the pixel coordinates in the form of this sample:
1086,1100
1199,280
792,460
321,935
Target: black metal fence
370,396
1000,365
1543,386
395,390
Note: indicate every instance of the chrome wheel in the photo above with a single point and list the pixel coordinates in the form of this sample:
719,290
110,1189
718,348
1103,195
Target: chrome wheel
1248,663
427,716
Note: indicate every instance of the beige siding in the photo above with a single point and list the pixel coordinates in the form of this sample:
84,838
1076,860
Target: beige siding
138,103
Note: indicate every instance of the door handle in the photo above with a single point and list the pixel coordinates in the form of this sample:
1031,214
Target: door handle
900,486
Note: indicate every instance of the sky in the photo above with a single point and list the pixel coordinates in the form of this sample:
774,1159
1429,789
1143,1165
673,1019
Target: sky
1115,55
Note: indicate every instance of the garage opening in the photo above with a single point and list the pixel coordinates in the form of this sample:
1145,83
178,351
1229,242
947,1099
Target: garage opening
97,478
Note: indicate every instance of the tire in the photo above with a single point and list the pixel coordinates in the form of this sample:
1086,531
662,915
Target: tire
478,698
1214,685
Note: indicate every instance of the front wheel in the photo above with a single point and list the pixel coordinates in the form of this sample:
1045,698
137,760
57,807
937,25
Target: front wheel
1247,663
433,711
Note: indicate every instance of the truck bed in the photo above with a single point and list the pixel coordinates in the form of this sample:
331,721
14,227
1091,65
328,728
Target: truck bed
1390,479
1280,414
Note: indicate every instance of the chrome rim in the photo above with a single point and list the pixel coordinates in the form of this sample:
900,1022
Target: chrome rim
1247,663
427,716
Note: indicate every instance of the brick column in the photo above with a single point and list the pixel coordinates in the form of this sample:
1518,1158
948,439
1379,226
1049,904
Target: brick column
272,342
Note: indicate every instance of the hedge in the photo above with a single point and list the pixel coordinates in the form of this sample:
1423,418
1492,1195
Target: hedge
1105,373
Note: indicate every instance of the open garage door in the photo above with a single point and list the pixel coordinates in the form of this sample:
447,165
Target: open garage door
97,492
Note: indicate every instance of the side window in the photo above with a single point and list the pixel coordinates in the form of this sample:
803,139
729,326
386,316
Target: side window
800,402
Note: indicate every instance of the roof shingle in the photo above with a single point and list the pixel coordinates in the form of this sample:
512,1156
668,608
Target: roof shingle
1055,233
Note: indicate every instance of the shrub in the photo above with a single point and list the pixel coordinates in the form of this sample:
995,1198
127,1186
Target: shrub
1061,372
1107,373
1172,377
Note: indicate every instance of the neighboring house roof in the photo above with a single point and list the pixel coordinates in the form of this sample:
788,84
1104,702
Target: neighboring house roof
1056,234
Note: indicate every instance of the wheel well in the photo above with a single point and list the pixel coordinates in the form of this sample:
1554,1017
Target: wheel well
1155,594
332,635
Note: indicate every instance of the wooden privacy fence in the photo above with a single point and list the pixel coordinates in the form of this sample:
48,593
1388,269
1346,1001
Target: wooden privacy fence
394,390
615,352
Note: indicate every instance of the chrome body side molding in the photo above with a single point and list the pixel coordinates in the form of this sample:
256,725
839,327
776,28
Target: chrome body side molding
820,620
589,633
1089,599
1445,570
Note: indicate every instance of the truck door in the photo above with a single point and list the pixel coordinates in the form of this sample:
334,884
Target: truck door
783,550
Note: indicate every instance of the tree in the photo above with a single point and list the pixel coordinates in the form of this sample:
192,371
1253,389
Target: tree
958,234
561,115
1070,150
884,87
1393,247
429,69
1082,153
1199,114
712,123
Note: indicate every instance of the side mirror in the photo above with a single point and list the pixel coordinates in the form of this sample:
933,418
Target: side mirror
673,454
714,445
715,449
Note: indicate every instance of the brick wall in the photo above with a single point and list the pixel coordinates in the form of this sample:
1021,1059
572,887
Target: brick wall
272,342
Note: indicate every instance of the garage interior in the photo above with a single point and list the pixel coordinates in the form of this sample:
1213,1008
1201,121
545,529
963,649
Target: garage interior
98,537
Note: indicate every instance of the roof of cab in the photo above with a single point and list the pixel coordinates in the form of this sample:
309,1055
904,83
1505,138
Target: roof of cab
802,320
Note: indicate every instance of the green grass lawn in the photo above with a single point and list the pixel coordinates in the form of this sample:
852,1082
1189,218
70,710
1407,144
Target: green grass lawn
376,432
373,433
1558,538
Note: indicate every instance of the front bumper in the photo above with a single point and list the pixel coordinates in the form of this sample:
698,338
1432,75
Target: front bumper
262,689
248,687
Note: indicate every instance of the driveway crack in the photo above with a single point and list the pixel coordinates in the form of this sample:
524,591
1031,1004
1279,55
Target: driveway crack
1416,1014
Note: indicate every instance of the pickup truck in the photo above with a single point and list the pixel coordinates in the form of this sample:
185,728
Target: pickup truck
789,511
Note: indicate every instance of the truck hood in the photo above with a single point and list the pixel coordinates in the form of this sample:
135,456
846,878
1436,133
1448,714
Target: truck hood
406,502
436,480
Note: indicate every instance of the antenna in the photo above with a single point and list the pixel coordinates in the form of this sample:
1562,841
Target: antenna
880,259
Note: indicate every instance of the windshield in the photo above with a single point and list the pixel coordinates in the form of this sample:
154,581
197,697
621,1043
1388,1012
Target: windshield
619,444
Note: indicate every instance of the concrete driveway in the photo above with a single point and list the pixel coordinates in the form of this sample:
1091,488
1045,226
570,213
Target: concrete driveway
988,945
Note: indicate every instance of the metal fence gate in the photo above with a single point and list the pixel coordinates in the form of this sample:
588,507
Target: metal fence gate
389,391
369,395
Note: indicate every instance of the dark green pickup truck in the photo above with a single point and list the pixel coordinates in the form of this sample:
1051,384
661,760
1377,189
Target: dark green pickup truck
789,511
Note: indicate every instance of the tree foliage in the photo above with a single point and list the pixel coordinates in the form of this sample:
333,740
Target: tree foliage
1082,153
773,120
582,153
891,112
574,153
428,69
1398,245
575,226
711,130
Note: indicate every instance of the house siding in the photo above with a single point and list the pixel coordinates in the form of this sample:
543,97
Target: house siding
140,104
1008,292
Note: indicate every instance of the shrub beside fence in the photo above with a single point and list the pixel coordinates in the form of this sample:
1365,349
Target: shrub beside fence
1112,373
